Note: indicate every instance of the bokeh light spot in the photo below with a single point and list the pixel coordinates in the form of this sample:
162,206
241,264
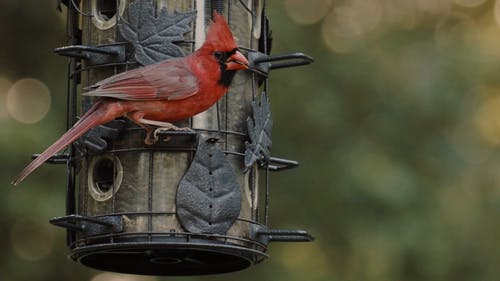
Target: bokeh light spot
400,13
496,11
487,119
456,28
346,25
307,12
357,18
335,42
433,7
28,100
31,240
368,13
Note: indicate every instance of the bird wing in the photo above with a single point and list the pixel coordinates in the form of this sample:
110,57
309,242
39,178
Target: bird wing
171,80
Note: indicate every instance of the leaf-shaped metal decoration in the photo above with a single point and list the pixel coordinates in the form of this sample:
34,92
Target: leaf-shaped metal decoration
259,132
154,37
208,198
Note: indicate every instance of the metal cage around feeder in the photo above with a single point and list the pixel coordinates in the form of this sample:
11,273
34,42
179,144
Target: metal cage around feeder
195,202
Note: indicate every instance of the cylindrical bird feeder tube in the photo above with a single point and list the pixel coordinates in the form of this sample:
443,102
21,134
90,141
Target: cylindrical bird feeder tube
190,203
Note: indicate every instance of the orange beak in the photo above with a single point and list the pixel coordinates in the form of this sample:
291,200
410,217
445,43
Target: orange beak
236,62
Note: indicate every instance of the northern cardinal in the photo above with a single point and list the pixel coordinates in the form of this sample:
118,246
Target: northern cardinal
163,92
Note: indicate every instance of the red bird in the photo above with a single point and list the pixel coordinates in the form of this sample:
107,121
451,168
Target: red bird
163,92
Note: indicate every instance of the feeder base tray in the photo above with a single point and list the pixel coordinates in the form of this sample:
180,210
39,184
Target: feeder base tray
167,259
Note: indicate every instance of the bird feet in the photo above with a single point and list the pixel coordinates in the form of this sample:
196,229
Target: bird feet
171,128
153,136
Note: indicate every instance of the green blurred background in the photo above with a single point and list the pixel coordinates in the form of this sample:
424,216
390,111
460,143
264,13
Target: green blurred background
396,127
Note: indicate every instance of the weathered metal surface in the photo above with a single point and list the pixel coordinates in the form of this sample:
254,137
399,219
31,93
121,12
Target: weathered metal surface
259,131
262,63
209,197
154,34
175,218
266,235
90,226
96,140
95,55
148,171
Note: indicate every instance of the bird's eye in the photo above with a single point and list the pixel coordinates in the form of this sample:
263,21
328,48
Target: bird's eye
218,55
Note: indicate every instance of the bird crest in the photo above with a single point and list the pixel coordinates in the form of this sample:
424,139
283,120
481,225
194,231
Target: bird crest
219,34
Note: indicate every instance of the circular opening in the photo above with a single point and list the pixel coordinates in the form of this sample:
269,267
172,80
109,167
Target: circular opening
103,174
104,177
252,186
105,9
104,12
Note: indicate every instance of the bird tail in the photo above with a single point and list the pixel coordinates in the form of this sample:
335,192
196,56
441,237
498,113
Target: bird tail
95,116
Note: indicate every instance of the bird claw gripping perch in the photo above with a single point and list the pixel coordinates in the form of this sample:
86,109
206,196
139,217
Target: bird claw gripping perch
162,130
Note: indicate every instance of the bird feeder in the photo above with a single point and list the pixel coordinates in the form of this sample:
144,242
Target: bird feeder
195,202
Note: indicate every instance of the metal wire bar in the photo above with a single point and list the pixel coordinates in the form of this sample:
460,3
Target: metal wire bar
159,213
71,108
75,6
252,185
152,213
187,235
246,7
150,191
266,206
223,129
264,34
287,235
